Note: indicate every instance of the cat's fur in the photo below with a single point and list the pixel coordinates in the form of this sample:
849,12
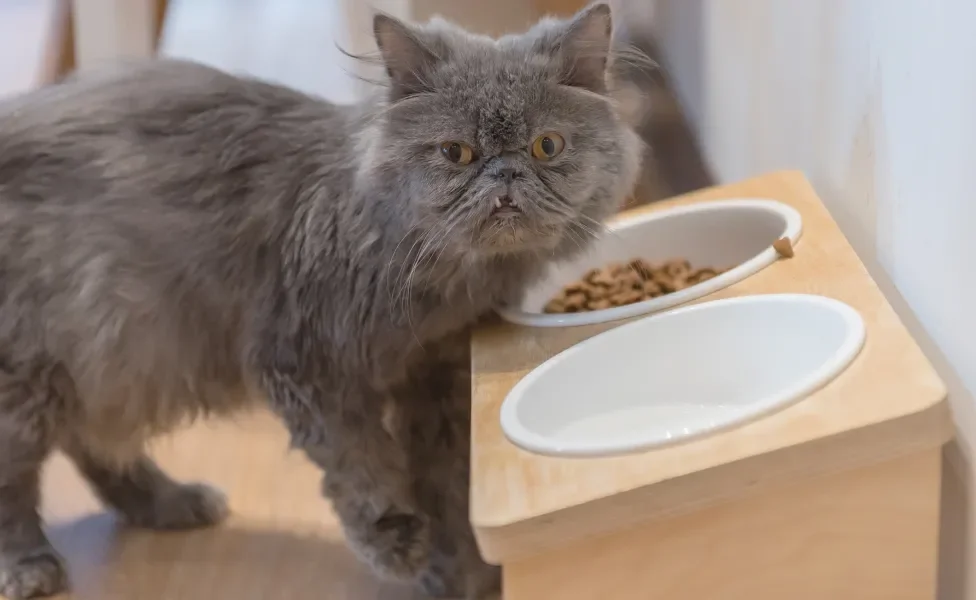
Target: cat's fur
433,424
176,241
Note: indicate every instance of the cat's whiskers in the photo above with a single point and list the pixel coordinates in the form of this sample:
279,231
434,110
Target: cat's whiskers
405,296
425,251
577,239
389,266
602,228
395,284
563,208
592,232
572,235
423,255
451,224
402,293
599,228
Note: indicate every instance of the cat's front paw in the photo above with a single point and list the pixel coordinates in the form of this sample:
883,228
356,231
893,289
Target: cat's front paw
396,546
32,576
438,584
449,576
181,507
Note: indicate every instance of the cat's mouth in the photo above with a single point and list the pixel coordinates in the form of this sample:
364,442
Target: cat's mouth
505,206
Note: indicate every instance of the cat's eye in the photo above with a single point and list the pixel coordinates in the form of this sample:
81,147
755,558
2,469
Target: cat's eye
548,146
457,152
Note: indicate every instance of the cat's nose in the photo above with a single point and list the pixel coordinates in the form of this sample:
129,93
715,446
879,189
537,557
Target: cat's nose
509,174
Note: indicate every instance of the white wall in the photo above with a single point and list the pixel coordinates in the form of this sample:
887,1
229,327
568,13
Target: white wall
292,42
298,42
26,28
109,30
876,101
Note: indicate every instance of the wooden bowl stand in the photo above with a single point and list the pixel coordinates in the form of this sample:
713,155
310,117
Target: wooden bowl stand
835,497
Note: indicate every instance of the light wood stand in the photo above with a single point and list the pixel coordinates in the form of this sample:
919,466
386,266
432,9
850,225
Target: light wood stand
869,534
834,497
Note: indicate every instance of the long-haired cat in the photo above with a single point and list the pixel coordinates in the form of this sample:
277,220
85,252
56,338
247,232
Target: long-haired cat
176,242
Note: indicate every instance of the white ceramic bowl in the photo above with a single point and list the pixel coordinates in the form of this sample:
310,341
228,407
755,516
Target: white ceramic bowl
682,374
722,233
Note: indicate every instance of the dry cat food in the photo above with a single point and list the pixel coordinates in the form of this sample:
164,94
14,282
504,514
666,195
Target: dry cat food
618,284
784,247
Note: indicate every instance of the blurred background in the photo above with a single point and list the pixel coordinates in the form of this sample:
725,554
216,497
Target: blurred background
874,100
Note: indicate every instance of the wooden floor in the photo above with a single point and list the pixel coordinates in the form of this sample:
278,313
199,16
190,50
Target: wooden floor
282,541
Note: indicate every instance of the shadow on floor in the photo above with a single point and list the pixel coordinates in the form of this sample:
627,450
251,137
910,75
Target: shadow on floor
108,562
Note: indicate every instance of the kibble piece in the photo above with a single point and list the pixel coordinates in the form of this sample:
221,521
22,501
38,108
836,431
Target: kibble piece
603,279
681,283
556,305
652,289
622,284
668,284
617,300
575,302
701,275
628,297
630,278
677,268
593,274
784,247
588,291
576,286
601,304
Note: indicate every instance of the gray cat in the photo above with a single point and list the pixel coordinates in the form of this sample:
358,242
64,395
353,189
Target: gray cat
178,242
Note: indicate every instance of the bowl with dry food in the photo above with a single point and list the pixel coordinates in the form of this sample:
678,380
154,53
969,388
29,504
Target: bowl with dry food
682,374
648,261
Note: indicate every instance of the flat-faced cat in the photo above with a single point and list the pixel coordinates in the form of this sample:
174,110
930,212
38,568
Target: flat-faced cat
176,242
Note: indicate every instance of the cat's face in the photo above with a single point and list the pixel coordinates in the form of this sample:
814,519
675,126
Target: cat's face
508,146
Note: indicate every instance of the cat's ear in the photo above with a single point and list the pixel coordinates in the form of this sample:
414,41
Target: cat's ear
408,55
583,47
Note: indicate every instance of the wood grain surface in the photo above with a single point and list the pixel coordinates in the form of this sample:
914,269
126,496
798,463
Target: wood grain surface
867,534
889,403
281,543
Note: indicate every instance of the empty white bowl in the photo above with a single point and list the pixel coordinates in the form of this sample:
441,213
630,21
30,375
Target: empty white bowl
724,233
681,374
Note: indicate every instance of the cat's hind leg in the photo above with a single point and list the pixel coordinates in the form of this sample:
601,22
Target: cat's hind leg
147,497
31,408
